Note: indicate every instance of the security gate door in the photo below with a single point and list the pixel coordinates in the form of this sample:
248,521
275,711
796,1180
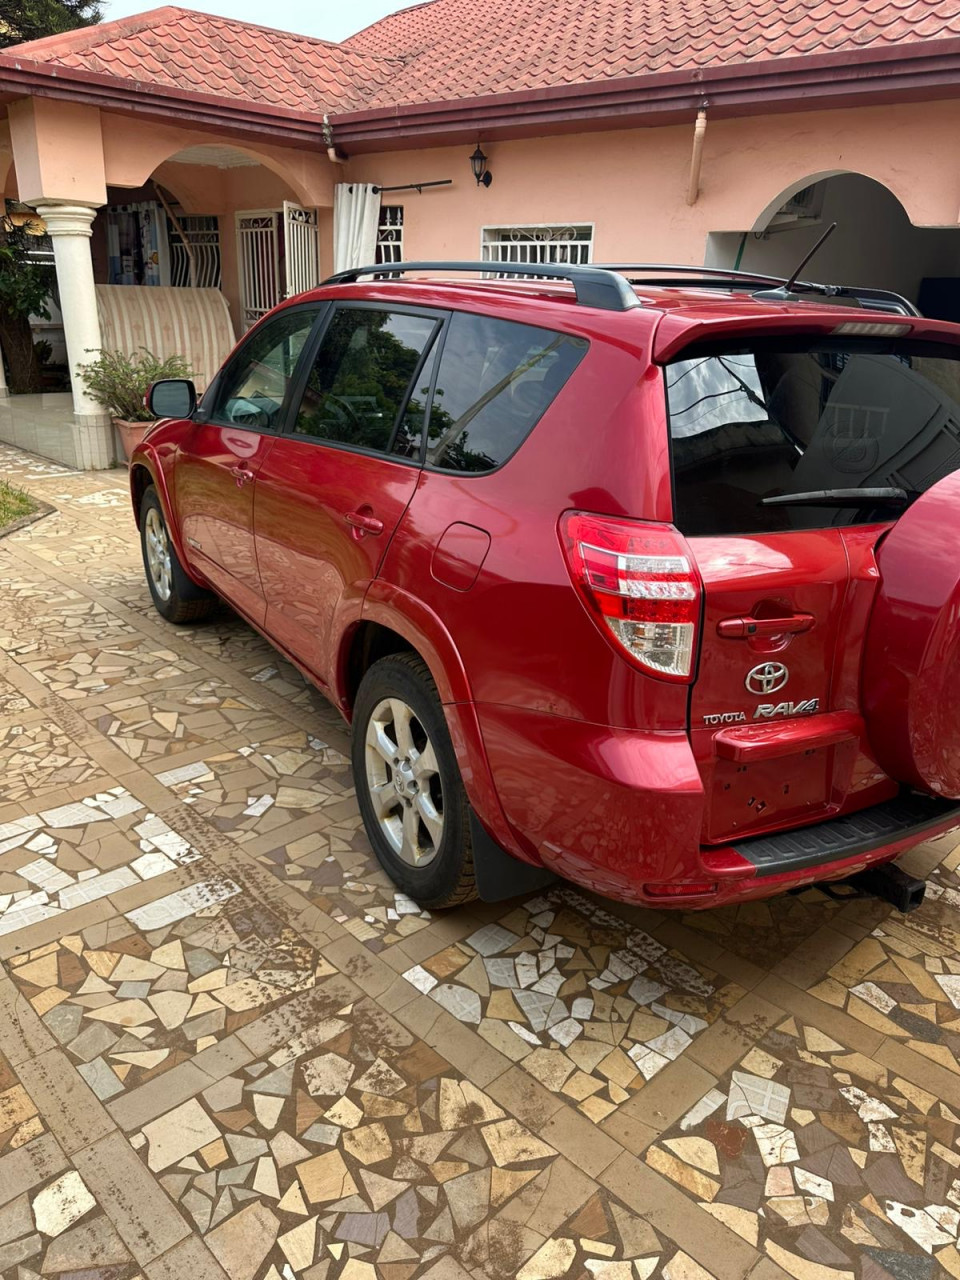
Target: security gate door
258,258
301,242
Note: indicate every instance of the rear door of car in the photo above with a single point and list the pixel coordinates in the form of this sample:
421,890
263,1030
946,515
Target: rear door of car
775,710
333,490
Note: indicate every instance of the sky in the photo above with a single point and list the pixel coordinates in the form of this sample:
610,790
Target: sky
329,19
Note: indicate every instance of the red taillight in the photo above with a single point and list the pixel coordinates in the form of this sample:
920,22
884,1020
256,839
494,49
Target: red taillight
639,578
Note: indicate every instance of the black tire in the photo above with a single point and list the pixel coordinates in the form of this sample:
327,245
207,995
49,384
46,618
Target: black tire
448,878
185,602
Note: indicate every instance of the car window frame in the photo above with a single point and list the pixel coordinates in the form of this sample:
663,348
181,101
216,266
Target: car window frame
213,391
312,349
431,467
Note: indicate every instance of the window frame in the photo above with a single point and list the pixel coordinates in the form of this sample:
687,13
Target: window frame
312,349
208,416
538,226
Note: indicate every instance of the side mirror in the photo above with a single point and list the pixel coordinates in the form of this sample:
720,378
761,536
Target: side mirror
171,398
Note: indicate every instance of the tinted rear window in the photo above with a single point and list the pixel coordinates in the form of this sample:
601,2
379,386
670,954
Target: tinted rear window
752,423
495,382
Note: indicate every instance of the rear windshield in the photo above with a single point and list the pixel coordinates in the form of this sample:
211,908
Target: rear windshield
768,419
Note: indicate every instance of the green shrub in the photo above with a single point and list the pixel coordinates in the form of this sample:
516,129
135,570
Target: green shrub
119,382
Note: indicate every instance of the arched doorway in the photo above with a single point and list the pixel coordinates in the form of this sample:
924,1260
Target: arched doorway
875,243
213,216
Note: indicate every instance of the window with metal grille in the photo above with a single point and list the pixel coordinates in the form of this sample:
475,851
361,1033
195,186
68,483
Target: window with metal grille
571,243
195,251
390,233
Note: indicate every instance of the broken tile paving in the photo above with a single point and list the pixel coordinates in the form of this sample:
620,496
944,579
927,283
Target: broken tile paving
229,1047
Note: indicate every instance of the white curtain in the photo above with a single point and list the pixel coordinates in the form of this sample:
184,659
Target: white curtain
356,216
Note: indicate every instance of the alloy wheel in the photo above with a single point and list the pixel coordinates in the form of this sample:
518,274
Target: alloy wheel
157,546
403,781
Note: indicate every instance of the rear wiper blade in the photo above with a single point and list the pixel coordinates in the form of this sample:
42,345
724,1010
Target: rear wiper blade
885,496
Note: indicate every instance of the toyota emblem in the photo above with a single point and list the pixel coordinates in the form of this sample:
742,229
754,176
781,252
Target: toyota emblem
767,678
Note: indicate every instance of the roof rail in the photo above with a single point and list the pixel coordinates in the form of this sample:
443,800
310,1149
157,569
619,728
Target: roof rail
596,287
668,275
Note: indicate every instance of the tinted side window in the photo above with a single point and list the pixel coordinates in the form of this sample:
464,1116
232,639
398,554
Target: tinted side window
496,380
359,380
254,385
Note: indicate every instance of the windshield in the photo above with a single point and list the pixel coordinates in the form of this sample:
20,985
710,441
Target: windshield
768,419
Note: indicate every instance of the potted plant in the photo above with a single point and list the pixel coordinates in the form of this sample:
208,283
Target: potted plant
119,382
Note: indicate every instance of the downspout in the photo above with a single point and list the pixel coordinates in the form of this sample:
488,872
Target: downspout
696,160
332,154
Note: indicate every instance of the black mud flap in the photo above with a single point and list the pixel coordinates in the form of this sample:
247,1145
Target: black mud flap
499,875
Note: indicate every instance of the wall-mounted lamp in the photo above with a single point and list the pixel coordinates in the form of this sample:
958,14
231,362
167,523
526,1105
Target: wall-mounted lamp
478,163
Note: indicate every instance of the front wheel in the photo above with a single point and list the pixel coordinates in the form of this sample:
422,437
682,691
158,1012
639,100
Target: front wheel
411,797
175,596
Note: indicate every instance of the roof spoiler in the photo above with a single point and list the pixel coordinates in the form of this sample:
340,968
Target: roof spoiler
673,276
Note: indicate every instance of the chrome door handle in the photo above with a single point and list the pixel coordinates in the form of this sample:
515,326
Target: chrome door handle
243,476
363,523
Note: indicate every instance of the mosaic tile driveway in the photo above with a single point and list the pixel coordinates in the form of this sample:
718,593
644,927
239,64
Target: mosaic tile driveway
230,1050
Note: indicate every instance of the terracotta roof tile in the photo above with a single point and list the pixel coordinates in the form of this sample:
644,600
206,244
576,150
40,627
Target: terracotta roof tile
199,52
463,48
445,49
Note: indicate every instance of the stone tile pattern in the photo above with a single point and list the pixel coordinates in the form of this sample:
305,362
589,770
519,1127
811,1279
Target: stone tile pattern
593,1008
71,854
833,1165
356,1148
904,979
260,787
129,1005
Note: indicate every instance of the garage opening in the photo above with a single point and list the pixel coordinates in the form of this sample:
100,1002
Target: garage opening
875,244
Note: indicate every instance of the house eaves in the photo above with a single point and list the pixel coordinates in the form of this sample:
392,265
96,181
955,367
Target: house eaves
916,71
233,117
919,71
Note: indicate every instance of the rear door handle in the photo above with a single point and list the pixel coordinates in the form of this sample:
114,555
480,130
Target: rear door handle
364,523
242,475
746,628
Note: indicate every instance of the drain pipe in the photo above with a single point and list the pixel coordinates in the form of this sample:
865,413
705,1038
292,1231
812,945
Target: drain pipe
696,160
332,155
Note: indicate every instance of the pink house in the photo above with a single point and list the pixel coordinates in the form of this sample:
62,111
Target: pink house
193,170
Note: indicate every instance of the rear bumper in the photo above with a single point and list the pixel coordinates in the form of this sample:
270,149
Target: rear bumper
618,811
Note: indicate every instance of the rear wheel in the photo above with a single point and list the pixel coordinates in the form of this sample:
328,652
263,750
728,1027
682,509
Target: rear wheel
409,789
175,596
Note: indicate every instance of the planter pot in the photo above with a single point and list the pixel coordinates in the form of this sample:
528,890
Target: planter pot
131,433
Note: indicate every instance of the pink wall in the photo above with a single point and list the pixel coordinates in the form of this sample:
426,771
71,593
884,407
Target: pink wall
632,184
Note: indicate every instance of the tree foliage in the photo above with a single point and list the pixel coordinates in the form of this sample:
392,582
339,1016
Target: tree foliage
32,19
25,286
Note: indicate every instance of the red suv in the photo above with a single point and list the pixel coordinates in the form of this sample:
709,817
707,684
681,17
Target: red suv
650,584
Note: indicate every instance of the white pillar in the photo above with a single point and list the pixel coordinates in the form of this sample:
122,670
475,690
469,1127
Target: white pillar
3,380
69,227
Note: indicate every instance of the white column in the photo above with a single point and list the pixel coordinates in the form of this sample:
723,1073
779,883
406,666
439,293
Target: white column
69,227
3,380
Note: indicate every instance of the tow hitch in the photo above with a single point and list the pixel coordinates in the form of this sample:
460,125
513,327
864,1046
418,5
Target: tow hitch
888,882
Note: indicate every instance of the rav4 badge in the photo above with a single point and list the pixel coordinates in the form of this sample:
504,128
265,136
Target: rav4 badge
766,711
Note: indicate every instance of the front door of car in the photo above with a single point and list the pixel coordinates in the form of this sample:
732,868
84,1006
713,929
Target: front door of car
222,453
335,486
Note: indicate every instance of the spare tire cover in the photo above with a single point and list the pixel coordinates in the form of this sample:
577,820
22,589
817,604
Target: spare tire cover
911,670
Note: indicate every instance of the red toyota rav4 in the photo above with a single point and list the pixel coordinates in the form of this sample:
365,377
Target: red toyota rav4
650,584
